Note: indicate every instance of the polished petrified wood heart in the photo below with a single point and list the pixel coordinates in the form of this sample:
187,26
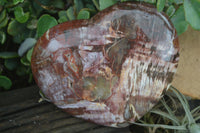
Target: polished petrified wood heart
111,69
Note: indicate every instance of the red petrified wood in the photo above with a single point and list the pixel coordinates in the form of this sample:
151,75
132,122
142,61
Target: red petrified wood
111,69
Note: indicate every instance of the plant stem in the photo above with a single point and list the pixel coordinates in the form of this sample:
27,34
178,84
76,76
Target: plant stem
182,127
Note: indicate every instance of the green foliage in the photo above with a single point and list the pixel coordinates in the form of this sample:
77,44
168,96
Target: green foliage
25,61
2,37
17,1
170,11
71,13
11,64
168,117
62,16
14,28
45,22
20,15
160,5
192,13
29,54
5,82
78,5
83,15
8,55
178,19
4,22
2,15
3,2
96,3
22,22
106,3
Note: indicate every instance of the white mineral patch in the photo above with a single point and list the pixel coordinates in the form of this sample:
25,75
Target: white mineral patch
54,45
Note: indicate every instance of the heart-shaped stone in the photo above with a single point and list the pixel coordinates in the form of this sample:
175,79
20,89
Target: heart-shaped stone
111,69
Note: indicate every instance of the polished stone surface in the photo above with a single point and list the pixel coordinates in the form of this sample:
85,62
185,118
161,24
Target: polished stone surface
111,69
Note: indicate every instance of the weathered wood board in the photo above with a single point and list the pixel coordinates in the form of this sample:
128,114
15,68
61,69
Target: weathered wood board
20,112
187,78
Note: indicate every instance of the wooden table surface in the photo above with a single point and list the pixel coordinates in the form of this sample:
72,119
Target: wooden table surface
20,112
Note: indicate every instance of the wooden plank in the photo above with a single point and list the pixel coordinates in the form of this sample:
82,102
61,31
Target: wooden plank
27,115
108,130
19,95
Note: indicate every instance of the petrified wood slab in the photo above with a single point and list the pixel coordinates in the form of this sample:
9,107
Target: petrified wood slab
111,69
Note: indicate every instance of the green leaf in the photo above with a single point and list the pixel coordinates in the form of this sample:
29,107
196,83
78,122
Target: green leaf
3,2
2,37
62,16
184,103
70,13
14,28
192,13
178,19
181,27
15,2
24,61
181,127
169,2
43,96
106,3
26,45
45,22
87,2
11,64
4,22
124,0
163,114
178,2
170,11
8,55
91,11
83,15
32,24
2,15
197,118
19,38
96,3
197,109
57,4
62,19
78,5
21,70
90,6
194,128
160,5
29,55
5,82
37,9
20,15
150,1
179,15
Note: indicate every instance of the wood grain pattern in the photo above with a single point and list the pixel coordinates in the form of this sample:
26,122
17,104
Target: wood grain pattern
110,69
187,78
20,112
